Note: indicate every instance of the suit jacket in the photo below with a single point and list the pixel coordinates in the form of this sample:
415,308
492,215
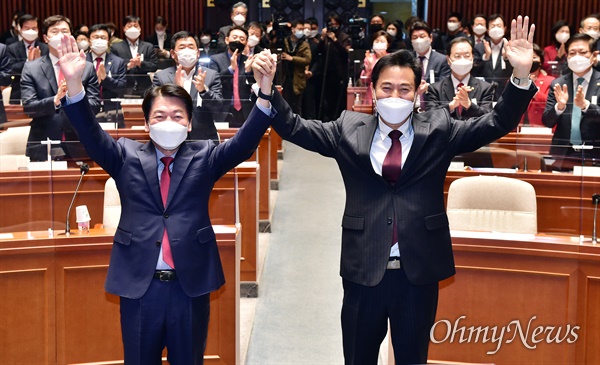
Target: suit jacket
162,62
417,198
494,74
18,58
138,80
39,87
220,62
294,69
538,103
113,86
439,64
440,94
196,167
4,77
590,120
203,126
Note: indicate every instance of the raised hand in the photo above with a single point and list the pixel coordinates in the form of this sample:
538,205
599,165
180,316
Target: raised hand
199,81
561,95
179,76
519,49
579,100
264,67
233,59
72,64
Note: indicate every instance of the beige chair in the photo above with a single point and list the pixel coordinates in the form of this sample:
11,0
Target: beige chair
6,95
14,141
112,205
492,203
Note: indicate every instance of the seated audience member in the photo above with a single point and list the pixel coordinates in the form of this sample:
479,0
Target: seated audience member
255,34
28,49
394,29
83,41
294,59
4,77
534,112
590,25
381,42
494,67
555,51
239,13
43,87
110,70
407,27
203,84
82,28
161,40
376,24
454,25
12,34
312,93
235,71
112,28
569,108
138,55
479,30
462,94
208,44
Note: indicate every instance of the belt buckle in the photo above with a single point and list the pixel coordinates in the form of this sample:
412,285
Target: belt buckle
394,265
165,275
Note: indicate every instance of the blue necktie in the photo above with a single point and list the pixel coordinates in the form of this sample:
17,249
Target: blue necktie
576,118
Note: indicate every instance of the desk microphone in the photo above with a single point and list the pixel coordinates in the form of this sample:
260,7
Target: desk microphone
595,200
83,168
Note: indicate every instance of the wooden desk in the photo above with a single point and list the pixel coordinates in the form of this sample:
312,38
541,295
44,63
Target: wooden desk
564,201
54,309
503,278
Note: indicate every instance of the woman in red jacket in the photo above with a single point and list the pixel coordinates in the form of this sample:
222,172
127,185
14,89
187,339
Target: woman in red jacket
533,116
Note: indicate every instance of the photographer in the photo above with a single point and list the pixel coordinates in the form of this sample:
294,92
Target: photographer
294,59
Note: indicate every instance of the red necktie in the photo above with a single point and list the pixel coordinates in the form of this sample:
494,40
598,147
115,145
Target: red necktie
165,182
61,77
98,62
391,168
459,109
237,103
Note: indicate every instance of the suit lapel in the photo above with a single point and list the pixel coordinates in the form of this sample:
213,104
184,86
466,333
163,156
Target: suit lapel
180,165
147,156
48,71
593,86
365,134
569,82
421,131
448,89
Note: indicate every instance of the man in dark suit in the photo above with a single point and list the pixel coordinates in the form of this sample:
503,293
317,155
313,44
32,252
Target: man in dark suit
161,41
494,67
13,32
463,95
110,70
572,103
42,88
232,64
203,84
138,55
28,49
239,14
165,261
396,243
4,78
454,27
432,62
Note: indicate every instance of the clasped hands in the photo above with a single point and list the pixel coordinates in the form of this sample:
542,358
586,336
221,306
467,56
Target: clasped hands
561,94
461,98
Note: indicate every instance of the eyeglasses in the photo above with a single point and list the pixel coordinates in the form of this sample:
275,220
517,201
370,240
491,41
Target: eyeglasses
580,52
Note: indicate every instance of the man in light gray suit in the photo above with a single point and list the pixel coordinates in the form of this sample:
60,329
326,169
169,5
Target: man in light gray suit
396,243
203,84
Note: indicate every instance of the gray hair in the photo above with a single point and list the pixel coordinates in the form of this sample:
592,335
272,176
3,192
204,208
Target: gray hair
238,4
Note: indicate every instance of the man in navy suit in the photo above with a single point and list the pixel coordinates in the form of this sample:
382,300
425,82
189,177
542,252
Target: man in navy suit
165,261
42,89
203,84
572,103
110,70
396,243
139,56
431,61
28,49
463,95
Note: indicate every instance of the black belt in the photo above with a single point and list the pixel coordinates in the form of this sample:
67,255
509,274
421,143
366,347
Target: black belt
165,275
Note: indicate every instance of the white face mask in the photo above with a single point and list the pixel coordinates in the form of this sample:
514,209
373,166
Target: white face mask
421,45
187,57
562,37
394,110
253,40
593,33
83,45
55,41
452,26
579,63
132,33
392,32
269,29
313,33
307,32
205,39
99,46
168,134
479,29
461,66
380,46
299,34
496,33
29,35
239,19
160,33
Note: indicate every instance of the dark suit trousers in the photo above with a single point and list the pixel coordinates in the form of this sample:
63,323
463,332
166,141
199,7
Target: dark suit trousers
365,311
165,317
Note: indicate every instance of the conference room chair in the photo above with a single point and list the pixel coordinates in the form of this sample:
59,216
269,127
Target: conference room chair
492,204
14,141
6,95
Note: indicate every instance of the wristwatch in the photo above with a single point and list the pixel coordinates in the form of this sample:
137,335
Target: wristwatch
521,82
264,96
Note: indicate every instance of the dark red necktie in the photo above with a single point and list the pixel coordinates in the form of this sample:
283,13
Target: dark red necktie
165,182
391,168
459,109
237,103
98,62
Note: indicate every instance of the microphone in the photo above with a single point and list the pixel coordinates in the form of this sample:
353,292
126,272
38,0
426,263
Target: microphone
83,168
595,200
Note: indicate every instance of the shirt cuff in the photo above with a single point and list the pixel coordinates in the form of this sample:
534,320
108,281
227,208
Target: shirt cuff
76,98
558,112
522,87
587,105
231,70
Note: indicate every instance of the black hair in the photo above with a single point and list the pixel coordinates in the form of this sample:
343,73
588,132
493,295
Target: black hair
182,35
458,40
25,18
132,19
455,14
53,20
539,51
495,16
161,20
312,21
99,27
380,33
237,27
419,26
581,37
401,58
166,90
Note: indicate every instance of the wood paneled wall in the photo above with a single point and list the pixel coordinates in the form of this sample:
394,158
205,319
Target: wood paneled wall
181,14
543,13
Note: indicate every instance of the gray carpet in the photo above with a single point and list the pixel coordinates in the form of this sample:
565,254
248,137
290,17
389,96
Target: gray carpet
297,319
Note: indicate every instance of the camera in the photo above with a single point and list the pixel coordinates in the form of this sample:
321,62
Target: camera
356,25
281,30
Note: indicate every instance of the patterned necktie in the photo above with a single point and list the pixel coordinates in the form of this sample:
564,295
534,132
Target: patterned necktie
61,77
391,168
165,182
576,118
237,103
98,62
459,108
